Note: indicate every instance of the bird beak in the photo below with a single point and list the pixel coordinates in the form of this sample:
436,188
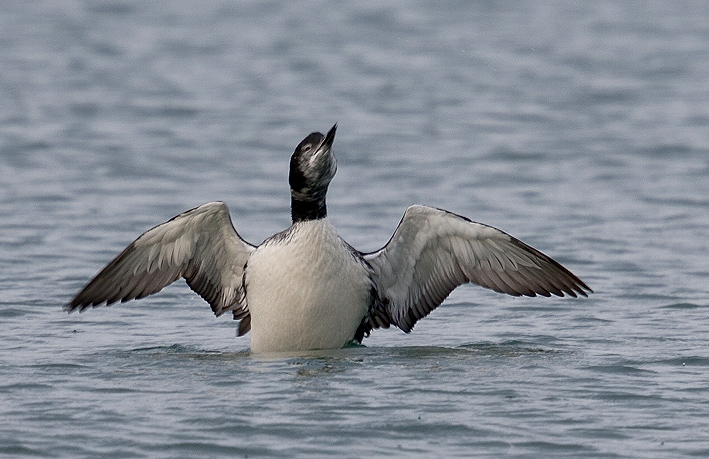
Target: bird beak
330,137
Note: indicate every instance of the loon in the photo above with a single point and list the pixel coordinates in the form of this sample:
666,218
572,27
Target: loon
305,288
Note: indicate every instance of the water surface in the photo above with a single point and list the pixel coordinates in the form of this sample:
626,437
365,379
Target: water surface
581,128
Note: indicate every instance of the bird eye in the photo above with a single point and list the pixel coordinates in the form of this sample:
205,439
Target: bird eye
307,148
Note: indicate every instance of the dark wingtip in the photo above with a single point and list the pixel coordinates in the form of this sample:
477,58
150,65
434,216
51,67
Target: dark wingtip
73,305
580,289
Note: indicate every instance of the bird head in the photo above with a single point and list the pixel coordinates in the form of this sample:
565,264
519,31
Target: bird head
313,166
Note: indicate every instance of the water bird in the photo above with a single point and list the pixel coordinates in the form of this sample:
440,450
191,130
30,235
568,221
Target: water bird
305,288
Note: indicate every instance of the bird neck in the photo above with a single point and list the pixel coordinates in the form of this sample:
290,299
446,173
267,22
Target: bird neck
304,209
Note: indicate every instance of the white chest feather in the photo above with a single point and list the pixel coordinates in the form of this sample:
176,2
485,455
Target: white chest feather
305,291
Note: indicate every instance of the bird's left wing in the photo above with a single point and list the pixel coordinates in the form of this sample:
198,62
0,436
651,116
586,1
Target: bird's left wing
200,245
433,251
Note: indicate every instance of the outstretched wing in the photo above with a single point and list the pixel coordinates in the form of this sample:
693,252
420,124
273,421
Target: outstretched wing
200,245
433,251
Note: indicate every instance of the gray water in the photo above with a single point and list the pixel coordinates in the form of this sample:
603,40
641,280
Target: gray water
580,127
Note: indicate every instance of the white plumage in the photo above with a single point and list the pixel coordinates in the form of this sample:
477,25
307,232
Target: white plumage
305,290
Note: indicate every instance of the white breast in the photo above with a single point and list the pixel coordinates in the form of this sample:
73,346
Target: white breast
305,291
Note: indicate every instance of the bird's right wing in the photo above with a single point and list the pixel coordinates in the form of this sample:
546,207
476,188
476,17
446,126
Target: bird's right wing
433,251
200,245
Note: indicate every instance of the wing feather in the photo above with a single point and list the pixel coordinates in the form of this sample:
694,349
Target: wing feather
433,251
200,245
